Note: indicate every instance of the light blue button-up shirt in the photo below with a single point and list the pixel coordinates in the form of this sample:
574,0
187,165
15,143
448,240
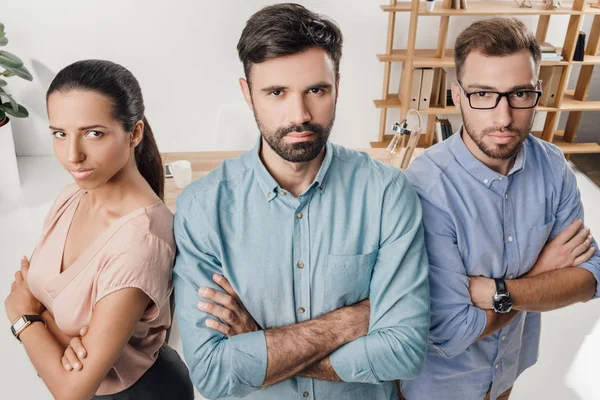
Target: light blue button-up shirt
356,232
478,222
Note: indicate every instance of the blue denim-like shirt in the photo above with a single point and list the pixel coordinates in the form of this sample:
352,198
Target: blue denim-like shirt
480,223
354,233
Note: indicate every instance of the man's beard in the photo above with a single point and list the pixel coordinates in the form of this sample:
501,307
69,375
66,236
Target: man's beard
500,151
297,152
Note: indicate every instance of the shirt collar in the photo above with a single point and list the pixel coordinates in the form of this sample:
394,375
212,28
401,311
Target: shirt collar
269,185
476,168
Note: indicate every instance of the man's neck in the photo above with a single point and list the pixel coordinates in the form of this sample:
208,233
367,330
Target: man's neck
498,165
293,177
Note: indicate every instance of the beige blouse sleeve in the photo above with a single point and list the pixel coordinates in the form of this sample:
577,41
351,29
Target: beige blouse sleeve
146,264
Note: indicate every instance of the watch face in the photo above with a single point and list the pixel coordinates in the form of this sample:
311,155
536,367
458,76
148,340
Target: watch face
19,324
502,303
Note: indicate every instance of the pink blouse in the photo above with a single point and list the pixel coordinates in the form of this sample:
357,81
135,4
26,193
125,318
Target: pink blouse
137,250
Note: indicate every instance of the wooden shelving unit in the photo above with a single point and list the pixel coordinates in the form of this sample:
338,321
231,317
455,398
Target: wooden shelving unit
571,101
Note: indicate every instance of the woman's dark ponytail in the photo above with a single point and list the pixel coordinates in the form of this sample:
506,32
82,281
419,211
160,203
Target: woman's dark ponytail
117,83
149,161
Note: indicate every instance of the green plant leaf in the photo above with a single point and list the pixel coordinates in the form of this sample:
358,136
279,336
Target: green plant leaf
2,114
20,113
13,103
20,72
2,83
1,27
10,60
3,39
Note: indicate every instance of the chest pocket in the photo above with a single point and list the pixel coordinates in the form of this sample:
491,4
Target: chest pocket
536,240
348,278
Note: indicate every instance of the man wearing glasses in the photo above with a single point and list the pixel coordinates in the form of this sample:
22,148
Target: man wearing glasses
503,224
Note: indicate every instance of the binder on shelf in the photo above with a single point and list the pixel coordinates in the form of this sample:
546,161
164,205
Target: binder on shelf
580,48
426,89
415,88
550,77
442,89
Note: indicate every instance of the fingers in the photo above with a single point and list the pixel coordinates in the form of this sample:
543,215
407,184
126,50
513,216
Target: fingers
569,231
224,283
83,331
218,311
219,326
219,297
78,348
65,363
72,359
584,246
18,276
579,238
585,256
24,267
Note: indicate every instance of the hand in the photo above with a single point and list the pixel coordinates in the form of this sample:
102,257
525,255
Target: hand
229,308
20,301
482,291
571,247
75,352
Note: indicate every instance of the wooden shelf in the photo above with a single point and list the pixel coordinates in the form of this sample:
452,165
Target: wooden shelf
574,148
425,58
489,8
569,103
394,102
388,138
588,60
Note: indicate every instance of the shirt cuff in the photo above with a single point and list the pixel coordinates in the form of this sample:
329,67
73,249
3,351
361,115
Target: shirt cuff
248,362
594,270
352,363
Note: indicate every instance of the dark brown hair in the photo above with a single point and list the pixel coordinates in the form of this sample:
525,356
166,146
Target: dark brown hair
495,37
286,29
118,84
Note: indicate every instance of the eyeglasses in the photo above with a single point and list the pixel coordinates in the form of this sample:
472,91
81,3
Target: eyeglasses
518,99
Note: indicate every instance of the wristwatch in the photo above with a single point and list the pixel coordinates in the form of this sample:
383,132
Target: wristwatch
502,302
22,323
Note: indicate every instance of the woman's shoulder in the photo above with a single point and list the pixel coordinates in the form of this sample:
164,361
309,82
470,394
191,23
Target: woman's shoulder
146,226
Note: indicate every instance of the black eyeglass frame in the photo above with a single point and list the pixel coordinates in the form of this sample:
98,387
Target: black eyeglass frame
503,94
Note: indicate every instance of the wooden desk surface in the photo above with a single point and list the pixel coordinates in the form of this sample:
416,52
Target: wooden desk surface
205,161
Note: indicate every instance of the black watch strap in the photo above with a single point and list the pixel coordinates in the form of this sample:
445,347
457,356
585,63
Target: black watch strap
500,285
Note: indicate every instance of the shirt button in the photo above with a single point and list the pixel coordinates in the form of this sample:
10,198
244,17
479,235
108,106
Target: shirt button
283,192
510,239
496,366
511,277
499,178
503,337
506,196
321,187
305,394
299,215
300,265
301,310
270,194
485,181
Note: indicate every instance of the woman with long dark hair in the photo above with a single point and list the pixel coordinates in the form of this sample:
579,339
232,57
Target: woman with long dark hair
102,269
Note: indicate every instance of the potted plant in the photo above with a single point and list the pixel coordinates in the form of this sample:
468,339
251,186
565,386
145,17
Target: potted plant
10,65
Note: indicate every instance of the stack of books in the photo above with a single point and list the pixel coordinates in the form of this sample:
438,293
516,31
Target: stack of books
550,53
443,129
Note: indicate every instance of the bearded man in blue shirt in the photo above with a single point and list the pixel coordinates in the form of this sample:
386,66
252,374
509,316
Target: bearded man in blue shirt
301,270
503,223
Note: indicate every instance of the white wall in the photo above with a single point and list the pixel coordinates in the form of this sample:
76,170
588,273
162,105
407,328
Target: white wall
184,55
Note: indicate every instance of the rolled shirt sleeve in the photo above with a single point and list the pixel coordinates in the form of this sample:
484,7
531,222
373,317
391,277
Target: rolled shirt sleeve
396,344
570,208
219,367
